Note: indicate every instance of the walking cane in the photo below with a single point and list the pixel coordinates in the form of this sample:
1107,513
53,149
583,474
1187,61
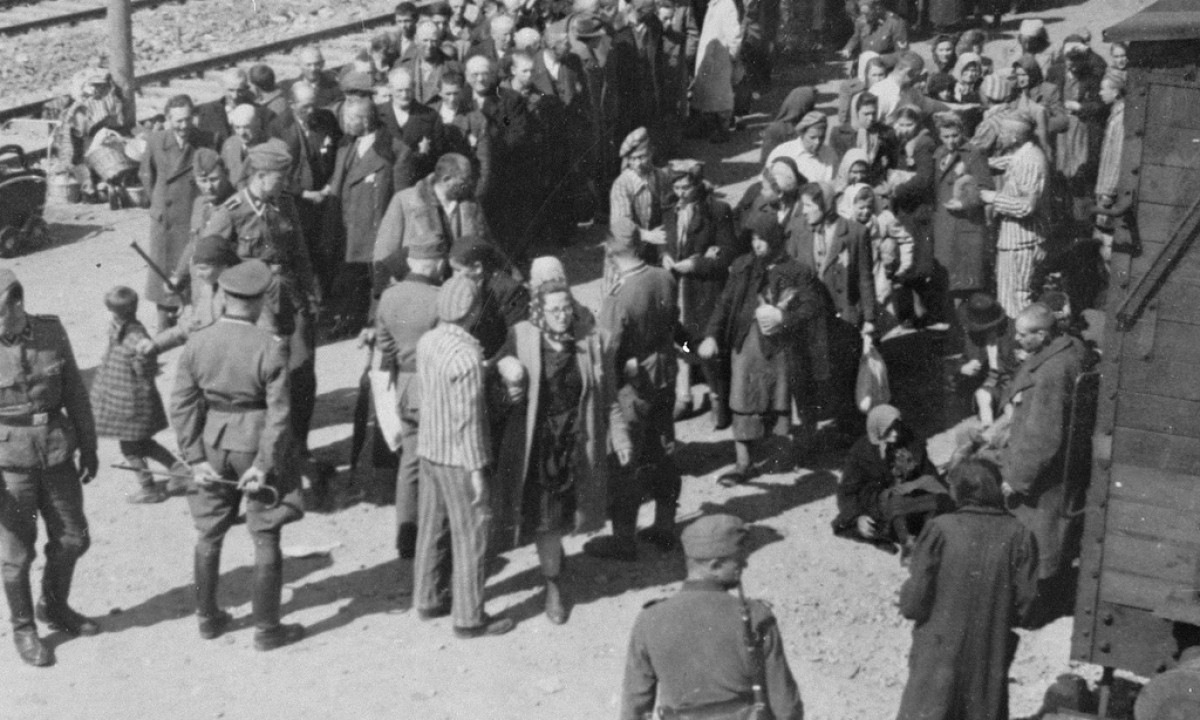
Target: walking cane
271,505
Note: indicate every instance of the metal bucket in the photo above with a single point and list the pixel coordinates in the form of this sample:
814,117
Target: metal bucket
62,190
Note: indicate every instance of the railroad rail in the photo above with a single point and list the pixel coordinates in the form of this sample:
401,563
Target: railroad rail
197,67
70,17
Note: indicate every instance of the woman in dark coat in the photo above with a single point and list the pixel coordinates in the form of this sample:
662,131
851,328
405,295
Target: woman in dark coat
557,442
962,244
973,577
888,487
766,302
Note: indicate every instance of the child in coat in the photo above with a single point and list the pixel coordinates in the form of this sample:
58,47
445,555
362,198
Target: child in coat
126,401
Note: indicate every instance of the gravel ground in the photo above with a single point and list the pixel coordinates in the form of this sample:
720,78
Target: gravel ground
367,655
166,35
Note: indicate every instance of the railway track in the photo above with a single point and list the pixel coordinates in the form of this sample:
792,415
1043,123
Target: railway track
338,42
16,19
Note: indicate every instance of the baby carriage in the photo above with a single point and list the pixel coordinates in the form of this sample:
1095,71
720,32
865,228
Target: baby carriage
22,201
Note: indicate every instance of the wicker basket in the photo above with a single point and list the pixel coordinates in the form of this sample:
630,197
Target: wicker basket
108,160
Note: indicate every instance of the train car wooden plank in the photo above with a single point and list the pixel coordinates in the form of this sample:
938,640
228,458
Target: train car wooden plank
1159,413
1165,340
1177,525
1157,559
1152,486
1156,221
1132,639
1137,591
1170,185
1161,377
1155,450
1173,104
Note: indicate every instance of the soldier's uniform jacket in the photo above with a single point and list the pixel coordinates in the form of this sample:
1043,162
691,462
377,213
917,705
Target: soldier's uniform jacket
231,393
690,650
268,231
39,379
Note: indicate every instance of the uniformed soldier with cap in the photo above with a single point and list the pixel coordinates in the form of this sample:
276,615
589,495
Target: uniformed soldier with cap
39,380
230,409
693,651
262,223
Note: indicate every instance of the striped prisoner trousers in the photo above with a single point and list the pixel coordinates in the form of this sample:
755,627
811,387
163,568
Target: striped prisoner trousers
1014,275
445,494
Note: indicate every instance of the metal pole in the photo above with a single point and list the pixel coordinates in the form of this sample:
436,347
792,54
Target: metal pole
120,52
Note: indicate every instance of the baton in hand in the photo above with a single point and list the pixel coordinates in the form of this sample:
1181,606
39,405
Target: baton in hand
157,270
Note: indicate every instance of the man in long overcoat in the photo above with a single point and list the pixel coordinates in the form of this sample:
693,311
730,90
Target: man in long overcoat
1032,460
167,171
972,579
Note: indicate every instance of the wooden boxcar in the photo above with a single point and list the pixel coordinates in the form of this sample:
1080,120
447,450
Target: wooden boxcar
1139,585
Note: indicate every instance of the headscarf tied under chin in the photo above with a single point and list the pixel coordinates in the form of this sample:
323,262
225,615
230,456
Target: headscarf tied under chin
852,156
537,310
879,421
847,199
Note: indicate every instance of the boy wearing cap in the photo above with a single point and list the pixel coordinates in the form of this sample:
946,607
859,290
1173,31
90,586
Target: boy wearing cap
231,414
691,652
455,451
39,379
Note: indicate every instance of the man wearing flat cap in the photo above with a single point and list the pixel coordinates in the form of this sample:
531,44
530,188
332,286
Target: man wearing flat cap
706,650
46,417
261,222
639,193
455,450
230,411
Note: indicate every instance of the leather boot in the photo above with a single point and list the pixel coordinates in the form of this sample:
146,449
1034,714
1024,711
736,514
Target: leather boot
721,416
25,635
212,619
52,607
557,605
268,582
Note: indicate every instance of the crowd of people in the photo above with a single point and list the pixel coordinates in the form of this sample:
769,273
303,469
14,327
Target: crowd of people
419,200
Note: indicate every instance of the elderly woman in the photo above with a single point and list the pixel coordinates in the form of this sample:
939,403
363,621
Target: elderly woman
555,454
765,304
814,159
888,486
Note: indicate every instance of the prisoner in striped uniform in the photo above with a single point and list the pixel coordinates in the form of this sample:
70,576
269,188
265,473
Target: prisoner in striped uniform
453,444
1019,204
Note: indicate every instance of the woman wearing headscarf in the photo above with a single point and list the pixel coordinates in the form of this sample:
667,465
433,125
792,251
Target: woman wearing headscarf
774,194
965,96
814,159
1031,95
796,105
866,133
973,578
555,452
767,302
962,247
888,486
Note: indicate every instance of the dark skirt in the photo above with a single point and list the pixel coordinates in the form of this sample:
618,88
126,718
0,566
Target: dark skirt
759,384
548,502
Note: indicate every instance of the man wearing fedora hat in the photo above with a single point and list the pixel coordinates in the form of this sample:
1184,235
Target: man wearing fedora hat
706,652
989,352
231,414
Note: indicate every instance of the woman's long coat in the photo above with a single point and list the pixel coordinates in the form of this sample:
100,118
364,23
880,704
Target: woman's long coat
973,577
961,239
599,415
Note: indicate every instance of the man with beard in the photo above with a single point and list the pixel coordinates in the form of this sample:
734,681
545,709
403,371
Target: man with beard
311,134
1019,203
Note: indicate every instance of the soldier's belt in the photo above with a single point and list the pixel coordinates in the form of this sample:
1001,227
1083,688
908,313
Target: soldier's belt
226,407
739,708
25,419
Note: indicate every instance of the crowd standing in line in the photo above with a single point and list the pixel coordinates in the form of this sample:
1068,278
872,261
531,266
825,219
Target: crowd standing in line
417,201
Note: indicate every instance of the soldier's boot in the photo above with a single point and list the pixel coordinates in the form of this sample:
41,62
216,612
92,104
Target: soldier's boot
52,607
268,582
212,619
25,635
662,533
